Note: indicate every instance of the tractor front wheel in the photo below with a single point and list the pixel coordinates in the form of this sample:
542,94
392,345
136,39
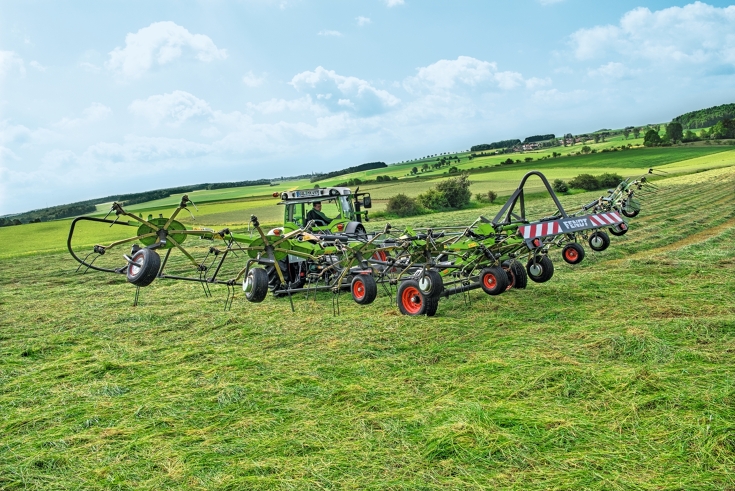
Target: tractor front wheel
540,269
144,267
573,253
411,301
255,285
599,241
364,289
494,281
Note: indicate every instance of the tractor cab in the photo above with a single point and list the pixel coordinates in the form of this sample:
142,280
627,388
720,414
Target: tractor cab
339,204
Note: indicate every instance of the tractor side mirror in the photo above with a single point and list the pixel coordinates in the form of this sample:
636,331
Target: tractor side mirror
367,202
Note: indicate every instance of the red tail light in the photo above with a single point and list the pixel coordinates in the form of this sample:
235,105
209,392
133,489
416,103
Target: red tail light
340,226
277,231
275,195
536,242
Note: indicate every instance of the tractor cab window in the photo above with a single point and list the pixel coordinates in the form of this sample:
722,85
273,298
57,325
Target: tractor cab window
330,208
347,207
296,214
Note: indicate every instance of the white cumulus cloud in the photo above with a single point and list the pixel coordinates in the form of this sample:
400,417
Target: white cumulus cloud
466,72
393,3
329,33
362,21
94,113
160,43
11,62
330,87
174,108
252,80
697,33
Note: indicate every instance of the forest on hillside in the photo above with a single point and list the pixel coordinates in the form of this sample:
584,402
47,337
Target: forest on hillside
706,117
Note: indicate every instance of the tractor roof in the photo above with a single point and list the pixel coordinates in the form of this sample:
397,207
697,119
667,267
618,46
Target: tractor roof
315,194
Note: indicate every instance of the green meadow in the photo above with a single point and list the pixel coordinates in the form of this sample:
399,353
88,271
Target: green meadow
233,207
617,374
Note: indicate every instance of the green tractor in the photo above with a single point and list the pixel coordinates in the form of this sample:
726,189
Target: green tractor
343,208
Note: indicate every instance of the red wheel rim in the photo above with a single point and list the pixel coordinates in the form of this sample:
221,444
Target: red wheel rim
380,256
511,278
358,289
135,268
490,281
412,300
571,254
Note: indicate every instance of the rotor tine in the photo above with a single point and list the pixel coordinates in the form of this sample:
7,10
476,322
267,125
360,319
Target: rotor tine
137,292
84,263
290,299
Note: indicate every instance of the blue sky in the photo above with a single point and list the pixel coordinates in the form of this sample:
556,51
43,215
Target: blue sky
99,98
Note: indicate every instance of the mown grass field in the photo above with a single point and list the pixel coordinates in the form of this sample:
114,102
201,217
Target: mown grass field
616,374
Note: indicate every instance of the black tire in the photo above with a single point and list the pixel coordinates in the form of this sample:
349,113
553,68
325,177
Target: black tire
541,269
516,274
255,285
599,241
494,280
431,284
432,304
617,230
411,301
364,289
628,210
144,271
573,253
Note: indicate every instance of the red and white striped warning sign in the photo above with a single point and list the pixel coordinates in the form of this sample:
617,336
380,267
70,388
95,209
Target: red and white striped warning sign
603,219
569,224
540,229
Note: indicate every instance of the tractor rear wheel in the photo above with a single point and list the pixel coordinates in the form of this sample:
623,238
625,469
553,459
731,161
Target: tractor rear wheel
573,253
431,284
411,301
255,285
517,275
364,289
144,267
494,280
599,241
540,269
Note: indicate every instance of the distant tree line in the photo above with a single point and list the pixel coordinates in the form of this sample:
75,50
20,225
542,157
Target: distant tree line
348,170
495,145
706,117
89,206
539,138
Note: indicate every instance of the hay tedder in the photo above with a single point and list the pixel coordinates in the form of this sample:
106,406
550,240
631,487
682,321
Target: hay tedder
416,267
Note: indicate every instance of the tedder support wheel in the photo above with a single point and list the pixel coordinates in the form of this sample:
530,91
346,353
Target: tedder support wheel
599,241
144,267
494,280
517,276
411,301
573,253
619,230
255,285
431,284
540,269
364,289
628,210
